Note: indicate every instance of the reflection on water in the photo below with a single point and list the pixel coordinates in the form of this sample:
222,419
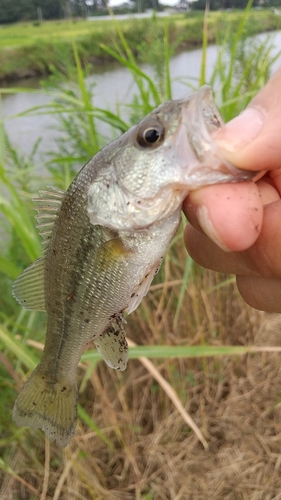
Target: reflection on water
114,88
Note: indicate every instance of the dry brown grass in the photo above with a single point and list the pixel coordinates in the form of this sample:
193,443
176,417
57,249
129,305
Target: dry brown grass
154,454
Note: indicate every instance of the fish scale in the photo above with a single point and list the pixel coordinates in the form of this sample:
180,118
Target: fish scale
104,240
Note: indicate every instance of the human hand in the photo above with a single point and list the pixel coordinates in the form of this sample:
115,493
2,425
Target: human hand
236,228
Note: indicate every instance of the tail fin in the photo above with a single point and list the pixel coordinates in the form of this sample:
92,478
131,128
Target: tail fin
47,405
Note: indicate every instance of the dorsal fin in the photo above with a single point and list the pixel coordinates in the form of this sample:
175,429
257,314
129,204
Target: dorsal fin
47,206
28,288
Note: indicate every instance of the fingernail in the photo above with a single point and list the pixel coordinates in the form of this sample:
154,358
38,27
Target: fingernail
241,130
208,228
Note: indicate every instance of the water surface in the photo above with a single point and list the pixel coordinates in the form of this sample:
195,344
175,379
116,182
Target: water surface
114,88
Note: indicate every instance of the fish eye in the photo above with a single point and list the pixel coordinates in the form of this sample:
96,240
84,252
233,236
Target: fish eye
150,135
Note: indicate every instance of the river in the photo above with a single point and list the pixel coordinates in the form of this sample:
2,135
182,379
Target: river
113,87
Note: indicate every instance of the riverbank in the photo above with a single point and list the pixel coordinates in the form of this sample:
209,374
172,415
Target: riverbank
38,49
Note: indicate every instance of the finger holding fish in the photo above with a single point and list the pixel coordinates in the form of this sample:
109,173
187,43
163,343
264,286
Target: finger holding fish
235,241
230,215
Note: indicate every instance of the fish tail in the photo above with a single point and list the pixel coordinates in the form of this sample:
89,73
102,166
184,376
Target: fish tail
47,405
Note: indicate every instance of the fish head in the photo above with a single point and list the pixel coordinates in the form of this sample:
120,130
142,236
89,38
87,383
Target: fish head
157,162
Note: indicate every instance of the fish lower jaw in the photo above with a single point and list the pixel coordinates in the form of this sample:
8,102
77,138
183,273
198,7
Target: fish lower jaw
207,176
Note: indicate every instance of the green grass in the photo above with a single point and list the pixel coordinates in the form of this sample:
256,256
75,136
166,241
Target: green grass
20,34
26,49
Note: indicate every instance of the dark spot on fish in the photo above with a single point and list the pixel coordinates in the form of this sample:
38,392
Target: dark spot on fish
133,294
128,203
43,378
54,251
70,296
34,403
63,389
139,202
86,320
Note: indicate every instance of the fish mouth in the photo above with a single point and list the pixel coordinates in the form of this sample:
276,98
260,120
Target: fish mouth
199,155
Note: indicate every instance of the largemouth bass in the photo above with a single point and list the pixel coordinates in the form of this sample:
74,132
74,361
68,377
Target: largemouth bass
104,240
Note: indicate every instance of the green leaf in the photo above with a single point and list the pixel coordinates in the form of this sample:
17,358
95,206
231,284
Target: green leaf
8,268
21,351
164,352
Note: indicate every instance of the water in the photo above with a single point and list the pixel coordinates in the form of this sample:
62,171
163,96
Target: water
114,88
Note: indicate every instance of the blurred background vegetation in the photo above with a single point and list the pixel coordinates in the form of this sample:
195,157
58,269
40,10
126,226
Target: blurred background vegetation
37,10
30,49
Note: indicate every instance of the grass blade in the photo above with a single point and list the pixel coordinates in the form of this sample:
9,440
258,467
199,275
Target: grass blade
21,351
168,82
198,351
87,419
202,79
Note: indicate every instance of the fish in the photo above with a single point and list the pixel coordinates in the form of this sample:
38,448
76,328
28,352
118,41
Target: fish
104,239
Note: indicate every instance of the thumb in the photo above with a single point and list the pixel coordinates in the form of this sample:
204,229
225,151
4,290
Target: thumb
252,140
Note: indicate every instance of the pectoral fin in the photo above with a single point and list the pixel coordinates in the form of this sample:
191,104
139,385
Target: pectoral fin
112,345
142,288
112,250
